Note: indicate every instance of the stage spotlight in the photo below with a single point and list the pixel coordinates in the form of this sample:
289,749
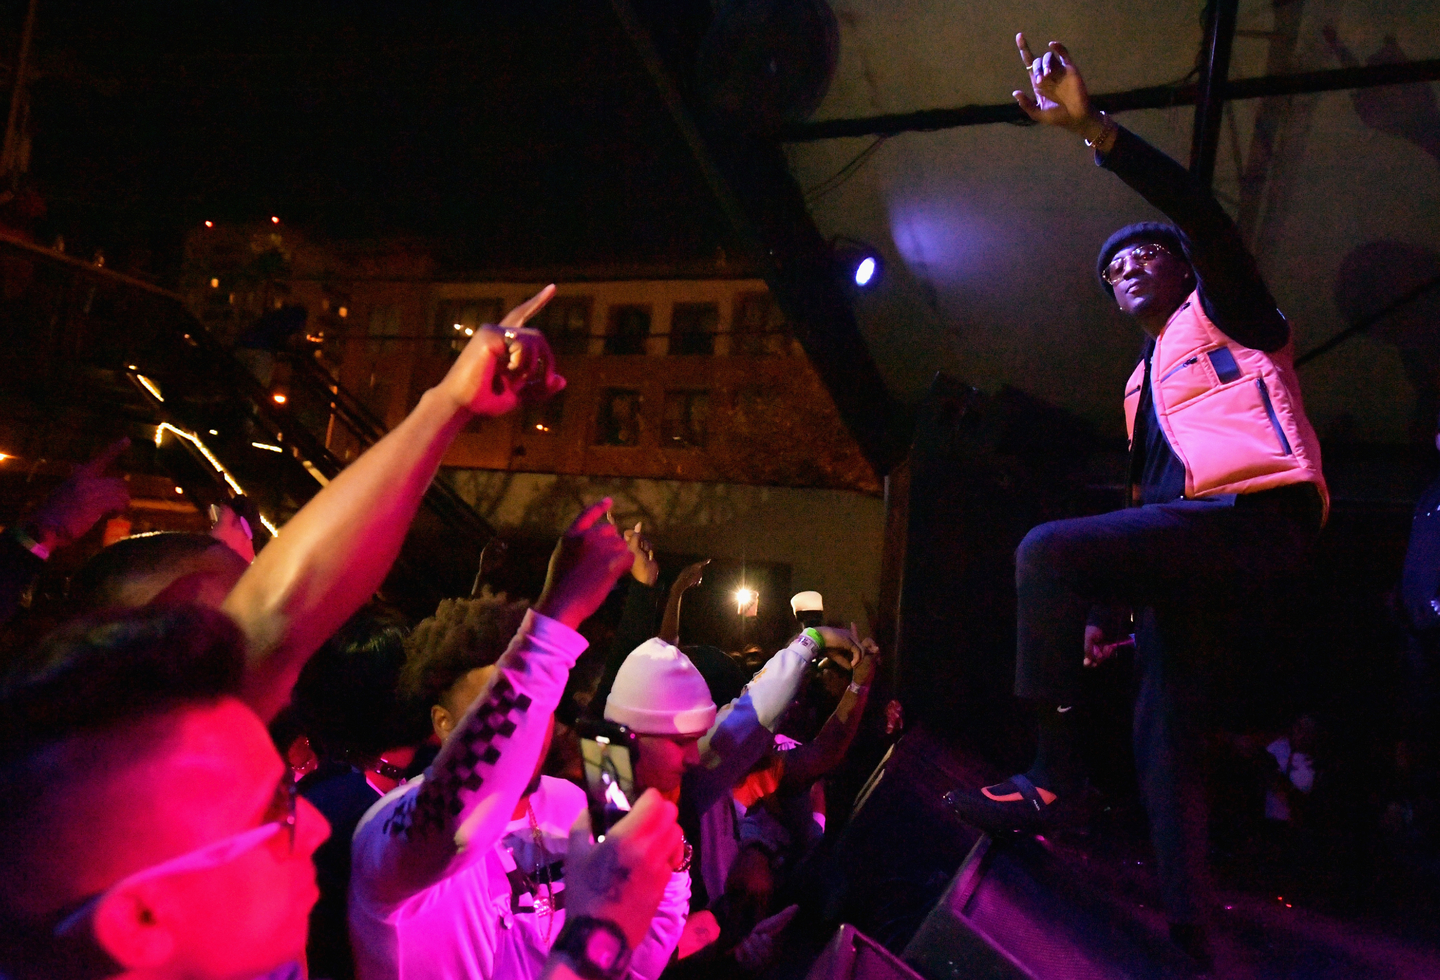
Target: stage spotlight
747,601
858,262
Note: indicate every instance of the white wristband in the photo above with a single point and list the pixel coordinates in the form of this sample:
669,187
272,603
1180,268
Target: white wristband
858,688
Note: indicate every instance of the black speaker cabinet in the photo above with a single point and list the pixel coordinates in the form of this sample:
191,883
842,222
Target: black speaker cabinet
852,955
1014,913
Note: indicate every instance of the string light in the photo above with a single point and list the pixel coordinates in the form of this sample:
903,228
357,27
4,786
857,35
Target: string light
150,386
210,458
204,450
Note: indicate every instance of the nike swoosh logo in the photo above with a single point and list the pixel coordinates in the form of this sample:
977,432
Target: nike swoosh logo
1065,709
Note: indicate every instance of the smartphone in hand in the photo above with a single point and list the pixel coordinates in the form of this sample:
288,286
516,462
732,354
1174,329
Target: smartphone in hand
608,752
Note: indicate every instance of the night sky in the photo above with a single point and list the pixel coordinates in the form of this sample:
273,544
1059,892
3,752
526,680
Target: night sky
511,134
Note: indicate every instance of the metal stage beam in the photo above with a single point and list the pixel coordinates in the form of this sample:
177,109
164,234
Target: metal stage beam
1153,97
1214,80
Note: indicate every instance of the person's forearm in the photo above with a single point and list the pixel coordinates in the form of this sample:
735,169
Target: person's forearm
474,784
1234,292
774,685
828,747
744,728
670,622
332,555
653,954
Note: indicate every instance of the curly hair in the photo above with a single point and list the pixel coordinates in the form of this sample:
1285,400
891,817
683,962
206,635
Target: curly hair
464,634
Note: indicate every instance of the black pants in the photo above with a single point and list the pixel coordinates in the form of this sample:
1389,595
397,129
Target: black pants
1182,567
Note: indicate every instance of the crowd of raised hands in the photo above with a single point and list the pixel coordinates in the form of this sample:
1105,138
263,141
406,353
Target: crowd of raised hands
124,857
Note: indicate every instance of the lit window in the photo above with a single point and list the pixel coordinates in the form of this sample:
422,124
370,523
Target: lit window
456,320
544,419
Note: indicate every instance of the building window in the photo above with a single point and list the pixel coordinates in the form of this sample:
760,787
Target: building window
454,317
692,328
757,321
619,420
629,326
565,321
545,418
687,414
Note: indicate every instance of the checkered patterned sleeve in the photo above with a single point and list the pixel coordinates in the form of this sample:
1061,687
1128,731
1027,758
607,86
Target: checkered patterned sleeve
474,784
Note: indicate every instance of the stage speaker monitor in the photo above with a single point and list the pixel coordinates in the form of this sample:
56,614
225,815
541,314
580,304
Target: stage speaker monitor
1012,911
852,955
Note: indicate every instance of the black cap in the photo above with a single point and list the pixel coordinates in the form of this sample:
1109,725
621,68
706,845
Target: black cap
1142,231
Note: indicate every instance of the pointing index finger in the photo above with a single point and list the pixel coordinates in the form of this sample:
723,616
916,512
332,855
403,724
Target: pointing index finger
527,309
1024,46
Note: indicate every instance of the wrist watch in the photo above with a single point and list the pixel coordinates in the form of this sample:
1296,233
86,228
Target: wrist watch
595,947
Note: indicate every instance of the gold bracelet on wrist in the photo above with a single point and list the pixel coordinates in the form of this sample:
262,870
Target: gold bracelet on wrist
1107,126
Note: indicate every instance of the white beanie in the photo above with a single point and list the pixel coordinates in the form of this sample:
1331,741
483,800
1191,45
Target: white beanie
806,602
658,691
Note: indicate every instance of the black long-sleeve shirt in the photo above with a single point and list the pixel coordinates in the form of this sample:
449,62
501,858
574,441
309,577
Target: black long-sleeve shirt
1231,291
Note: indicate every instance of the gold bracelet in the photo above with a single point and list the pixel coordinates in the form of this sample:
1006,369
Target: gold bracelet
1107,126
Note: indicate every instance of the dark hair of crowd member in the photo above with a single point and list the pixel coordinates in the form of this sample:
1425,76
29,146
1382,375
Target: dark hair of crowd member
346,699
105,670
96,586
90,677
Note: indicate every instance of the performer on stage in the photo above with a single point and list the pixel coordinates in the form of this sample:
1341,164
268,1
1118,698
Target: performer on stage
1226,495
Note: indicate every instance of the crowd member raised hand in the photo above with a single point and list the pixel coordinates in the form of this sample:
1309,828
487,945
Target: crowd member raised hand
332,555
690,576
456,873
71,510
615,887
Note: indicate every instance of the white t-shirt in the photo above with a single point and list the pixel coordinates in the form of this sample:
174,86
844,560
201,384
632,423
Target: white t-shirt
480,921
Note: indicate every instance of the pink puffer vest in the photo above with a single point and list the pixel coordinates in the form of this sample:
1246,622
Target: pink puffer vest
1233,415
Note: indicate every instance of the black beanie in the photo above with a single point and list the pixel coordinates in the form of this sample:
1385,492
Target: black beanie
1142,231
